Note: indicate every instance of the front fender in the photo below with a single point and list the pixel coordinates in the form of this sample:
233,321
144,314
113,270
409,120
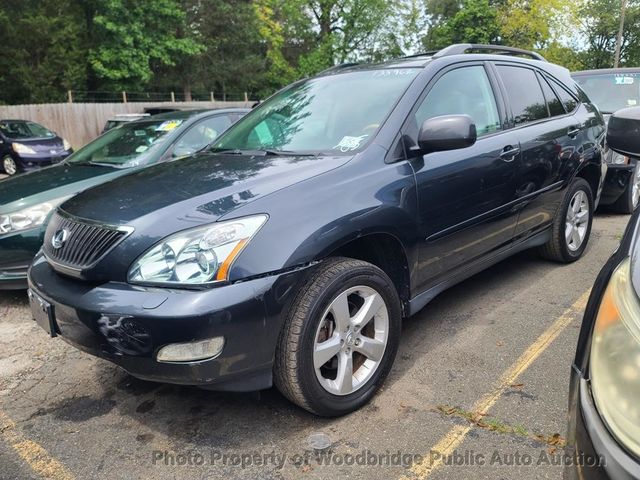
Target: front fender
309,220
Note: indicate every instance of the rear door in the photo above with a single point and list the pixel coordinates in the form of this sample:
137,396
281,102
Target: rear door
548,137
465,195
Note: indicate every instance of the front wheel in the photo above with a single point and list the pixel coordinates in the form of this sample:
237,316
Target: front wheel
339,339
628,201
9,165
572,226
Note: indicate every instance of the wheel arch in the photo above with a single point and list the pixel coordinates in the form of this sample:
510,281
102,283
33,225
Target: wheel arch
385,251
592,173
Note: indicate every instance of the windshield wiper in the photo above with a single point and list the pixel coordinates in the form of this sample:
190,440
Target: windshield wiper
262,151
94,164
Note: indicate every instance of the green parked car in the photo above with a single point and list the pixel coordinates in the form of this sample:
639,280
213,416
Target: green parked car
26,201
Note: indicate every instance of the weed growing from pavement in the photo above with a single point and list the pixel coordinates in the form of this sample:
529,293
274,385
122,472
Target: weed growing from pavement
494,425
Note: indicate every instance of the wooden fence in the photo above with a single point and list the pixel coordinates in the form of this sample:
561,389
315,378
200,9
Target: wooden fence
80,123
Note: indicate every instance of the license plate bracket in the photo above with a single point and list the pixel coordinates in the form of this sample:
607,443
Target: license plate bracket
43,313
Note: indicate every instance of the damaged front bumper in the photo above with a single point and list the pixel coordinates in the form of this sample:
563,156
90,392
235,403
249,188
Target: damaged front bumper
128,325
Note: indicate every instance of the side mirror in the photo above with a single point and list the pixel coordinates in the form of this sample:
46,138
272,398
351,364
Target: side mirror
623,131
447,132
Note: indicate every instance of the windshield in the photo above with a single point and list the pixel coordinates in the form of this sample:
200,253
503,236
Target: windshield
611,91
23,130
128,145
335,114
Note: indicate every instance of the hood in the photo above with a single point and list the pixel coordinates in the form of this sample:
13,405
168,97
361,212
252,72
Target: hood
50,183
171,196
45,145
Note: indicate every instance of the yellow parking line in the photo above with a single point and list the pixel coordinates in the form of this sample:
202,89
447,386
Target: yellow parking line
454,438
33,454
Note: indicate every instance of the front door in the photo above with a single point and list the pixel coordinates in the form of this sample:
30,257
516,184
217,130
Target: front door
464,196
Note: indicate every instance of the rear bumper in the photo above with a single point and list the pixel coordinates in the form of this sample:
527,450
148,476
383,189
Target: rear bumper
598,454
615,182
127,325
16,254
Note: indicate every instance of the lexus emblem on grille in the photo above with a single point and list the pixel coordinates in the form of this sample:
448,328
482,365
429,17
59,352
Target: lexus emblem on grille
59,238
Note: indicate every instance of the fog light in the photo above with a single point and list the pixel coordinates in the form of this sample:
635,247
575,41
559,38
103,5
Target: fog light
191,351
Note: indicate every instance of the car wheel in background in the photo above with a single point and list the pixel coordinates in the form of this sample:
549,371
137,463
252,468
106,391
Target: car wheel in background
9,165
572,224
628,201
339,339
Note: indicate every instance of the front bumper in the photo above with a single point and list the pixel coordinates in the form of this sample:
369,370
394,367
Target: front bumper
16,254
35,162
615,182
596,454
128,324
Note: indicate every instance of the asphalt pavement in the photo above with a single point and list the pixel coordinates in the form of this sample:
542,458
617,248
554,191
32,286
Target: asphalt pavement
478,390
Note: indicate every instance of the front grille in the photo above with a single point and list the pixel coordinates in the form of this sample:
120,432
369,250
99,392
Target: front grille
83,244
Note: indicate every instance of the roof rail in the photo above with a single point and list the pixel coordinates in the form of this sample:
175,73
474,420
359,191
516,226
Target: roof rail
338,67
429,53
460,48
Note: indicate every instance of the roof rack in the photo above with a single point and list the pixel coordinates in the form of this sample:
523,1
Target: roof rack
429,53
460,48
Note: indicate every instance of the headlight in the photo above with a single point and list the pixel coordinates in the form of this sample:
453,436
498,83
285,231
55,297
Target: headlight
66,145
615,359
22,148
196,256
29,217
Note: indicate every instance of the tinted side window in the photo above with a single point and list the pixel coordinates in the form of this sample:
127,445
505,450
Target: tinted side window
201,135
525,95
464,91
553,102
568,100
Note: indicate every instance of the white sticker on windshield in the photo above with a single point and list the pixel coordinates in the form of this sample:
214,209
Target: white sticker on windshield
348,144
632,102
142,148
620,80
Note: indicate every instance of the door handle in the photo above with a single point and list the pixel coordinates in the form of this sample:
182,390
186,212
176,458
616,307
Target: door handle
509,153
573,131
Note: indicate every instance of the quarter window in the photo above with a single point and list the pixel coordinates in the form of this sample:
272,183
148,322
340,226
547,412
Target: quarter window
553,102
524,92
568,100
463,91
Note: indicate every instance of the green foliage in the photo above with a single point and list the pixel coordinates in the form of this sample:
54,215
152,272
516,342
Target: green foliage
257,46
131,36
601,20
475,22
43,51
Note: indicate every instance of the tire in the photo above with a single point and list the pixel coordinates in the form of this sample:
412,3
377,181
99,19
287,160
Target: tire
354,284
628,201
558,248
9,165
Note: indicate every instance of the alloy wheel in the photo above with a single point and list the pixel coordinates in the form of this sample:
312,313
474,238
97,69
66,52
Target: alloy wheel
9,165
577,220
351,340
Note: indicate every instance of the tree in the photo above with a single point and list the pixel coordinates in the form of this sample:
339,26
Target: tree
230,61
600,26
476,21
130,37
531,24
44,50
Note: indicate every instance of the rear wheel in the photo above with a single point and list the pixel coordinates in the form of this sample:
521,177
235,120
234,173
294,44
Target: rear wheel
572,226
9,165
628,201
339,339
